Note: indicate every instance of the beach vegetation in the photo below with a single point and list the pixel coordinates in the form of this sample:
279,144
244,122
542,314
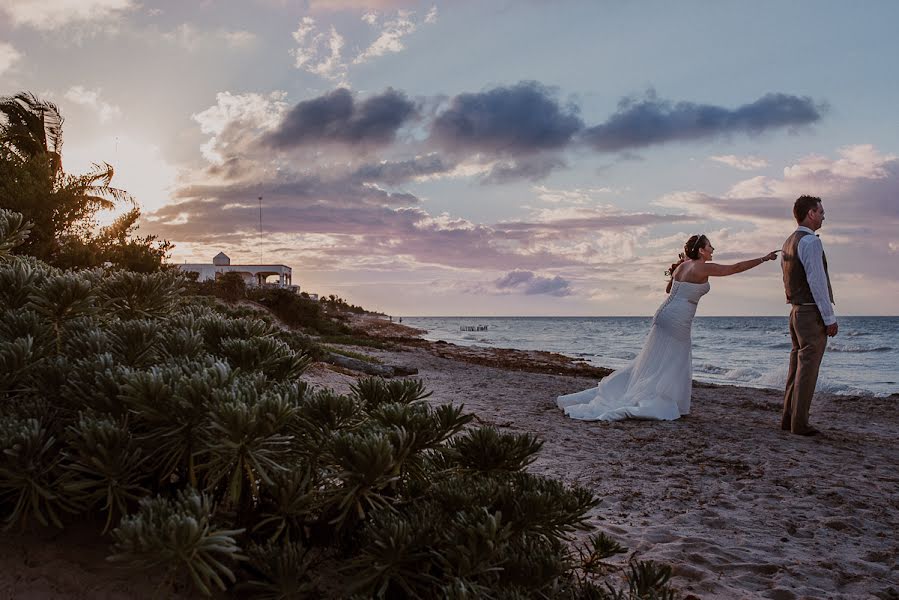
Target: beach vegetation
184,430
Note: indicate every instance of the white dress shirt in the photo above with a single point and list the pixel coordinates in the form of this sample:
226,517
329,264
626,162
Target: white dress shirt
811,255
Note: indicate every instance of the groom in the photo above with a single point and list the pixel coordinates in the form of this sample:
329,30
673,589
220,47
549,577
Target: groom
812,319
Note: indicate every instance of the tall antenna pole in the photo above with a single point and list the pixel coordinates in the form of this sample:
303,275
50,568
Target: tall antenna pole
260,214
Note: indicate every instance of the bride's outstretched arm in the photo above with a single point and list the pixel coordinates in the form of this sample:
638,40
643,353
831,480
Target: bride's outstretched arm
716,270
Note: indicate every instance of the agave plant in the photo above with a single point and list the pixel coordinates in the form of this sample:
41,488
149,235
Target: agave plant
170,406
130,295
397,558
649,580
535,567
29,474
16,358
61,298
19,279
474,544
90,383
486,449
13,231
181,343
544,507
105,465
136,343
321,414
373,391
368,463
178,534
282,572
217,328
595,551
272,357
243,443
287,503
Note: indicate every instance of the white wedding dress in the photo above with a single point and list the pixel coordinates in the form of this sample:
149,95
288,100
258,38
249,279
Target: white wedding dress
658,383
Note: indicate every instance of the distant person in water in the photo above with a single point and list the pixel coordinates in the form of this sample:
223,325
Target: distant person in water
812,319
659,382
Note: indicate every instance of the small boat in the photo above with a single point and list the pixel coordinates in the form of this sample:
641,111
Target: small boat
472,328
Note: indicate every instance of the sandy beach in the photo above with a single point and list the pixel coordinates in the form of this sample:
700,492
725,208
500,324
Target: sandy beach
738,508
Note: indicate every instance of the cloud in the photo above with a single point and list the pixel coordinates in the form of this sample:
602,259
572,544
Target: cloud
50,15
91,99
744,163
236,123
8,57
322,53
391,36
529,284
381,227
639,123
506,121
337,117
819,173
319,53
859,188
398,172
349,5
528,168
191,38
858,161
574,196
322,188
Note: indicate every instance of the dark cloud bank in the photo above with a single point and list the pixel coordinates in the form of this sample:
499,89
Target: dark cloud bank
338,117
521,129
641,123
527,119
522,119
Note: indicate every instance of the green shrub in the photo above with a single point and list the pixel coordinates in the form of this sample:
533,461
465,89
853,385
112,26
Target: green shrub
179,535
29,474
296,311
147,412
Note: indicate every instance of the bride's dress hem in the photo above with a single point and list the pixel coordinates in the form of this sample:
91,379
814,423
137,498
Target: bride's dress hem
658,383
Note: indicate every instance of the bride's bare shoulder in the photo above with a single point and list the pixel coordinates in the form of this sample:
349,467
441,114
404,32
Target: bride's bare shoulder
688,272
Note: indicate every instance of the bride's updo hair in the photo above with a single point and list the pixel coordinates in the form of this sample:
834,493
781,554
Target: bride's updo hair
691,251
694,245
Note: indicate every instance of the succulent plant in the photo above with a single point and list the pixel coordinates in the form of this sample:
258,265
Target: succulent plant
29,473
178,534
105,465
116,386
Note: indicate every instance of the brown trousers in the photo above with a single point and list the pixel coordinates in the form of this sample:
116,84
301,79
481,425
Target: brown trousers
809,337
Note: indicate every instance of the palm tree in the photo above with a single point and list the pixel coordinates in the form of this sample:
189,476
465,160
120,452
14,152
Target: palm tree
32,180
33,128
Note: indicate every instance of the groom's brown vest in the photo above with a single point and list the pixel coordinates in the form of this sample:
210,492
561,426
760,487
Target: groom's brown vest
795,279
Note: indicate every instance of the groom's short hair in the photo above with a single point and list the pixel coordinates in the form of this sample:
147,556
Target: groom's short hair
804,204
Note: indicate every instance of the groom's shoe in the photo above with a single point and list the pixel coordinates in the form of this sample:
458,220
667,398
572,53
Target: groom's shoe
808,432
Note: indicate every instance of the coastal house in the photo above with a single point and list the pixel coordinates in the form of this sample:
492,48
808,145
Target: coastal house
253,275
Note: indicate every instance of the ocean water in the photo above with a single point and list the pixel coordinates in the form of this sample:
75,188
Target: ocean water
748,351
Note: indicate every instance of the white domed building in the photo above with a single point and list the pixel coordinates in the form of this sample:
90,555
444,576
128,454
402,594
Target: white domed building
253,275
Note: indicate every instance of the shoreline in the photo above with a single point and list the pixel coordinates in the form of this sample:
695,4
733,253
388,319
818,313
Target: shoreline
408,335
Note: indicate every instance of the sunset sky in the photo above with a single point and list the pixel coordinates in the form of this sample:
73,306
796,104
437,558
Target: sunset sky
486,157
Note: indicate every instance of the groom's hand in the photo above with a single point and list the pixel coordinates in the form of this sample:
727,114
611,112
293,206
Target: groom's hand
832,330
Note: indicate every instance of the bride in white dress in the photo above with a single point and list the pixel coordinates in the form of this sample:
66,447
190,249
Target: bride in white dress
659,382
